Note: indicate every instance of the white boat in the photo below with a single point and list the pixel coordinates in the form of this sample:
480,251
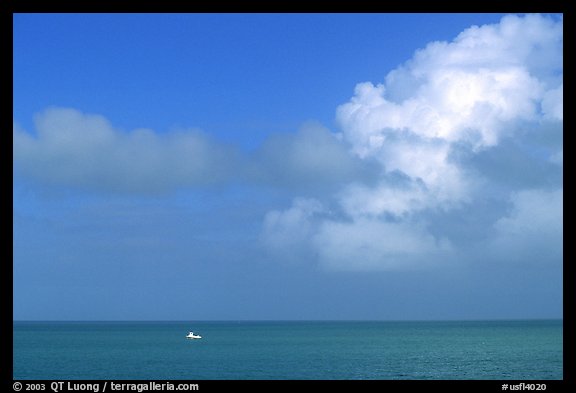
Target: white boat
193,336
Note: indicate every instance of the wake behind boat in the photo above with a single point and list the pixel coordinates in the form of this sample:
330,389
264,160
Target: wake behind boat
191,335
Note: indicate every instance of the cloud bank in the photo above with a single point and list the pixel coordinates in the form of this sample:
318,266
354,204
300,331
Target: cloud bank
84,151
80,150
458,151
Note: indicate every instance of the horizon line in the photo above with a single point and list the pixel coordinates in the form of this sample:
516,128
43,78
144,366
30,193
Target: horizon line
293,320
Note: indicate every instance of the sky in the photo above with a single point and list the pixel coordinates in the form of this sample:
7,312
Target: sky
287,166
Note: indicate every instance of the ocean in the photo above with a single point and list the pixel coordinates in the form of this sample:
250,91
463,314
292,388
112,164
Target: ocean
350,350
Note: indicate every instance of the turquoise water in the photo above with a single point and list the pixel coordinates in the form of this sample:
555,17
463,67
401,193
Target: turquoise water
288,350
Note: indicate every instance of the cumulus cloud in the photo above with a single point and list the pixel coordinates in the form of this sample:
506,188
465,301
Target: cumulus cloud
461,123
85,151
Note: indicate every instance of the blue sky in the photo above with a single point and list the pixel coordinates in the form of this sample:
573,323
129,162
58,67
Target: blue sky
287,166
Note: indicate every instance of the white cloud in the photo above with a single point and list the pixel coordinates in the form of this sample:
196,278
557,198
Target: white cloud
430,126
373,244
308,229
477,89
467,89
85,151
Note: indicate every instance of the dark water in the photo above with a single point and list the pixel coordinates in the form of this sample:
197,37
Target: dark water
289,350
